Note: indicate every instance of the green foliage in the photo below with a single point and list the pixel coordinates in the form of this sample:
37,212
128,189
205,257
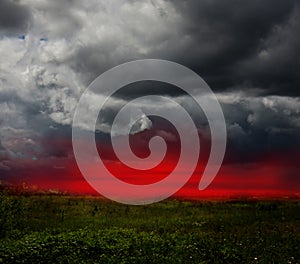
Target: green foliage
10,211
61,229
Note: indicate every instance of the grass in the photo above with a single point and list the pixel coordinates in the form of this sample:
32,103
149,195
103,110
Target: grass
66,229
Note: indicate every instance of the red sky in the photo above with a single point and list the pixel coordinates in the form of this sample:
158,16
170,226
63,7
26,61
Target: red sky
272,175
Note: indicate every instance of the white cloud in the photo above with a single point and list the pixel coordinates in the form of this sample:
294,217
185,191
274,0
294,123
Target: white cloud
44,72
142,124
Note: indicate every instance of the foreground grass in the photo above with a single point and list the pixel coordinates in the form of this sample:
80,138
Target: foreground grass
62,229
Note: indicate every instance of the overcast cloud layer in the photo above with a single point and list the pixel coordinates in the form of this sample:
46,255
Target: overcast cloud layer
247,51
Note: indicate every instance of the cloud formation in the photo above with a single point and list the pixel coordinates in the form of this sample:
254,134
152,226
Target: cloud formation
247,52
13,17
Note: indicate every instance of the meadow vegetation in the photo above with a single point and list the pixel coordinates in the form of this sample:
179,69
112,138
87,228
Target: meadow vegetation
68,229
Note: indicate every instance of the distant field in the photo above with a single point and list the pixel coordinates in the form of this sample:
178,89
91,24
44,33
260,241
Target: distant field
65,229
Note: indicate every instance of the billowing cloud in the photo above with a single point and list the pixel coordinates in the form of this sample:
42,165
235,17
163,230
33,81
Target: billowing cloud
228,42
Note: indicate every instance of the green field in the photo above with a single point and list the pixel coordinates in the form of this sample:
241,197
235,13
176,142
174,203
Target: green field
66,229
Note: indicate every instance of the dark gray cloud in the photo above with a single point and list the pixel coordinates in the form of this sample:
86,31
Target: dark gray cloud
5,157
277,65
260,126
229,39
13,16
56,142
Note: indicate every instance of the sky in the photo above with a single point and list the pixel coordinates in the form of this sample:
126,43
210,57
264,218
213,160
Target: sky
246,51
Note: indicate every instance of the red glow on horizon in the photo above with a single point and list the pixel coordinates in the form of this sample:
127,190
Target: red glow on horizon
271,175
276,176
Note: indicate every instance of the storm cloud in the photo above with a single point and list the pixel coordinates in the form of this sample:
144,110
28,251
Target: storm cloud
13,17
247,51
